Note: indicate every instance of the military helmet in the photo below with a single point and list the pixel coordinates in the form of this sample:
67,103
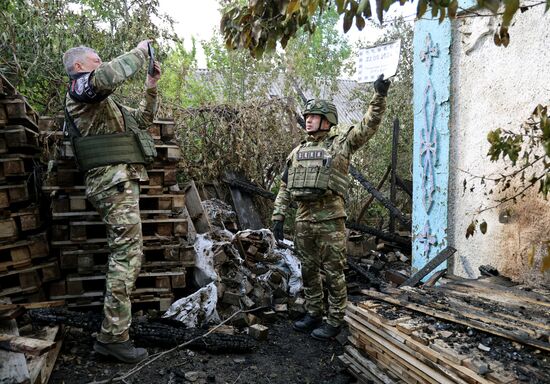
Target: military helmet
322,107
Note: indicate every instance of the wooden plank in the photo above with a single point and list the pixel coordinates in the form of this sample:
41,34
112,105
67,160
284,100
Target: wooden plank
393,189
404,359
434,278
196,211
538,315
35,347
40,368
14,365
10,311
43,304
369,365
418,350
8,229
370,188
482,287
460,319
247,213
430,266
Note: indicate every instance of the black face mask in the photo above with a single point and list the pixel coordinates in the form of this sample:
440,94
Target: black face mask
81,89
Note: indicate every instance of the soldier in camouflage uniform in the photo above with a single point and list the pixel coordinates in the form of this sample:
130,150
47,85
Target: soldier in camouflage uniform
113,188
316,177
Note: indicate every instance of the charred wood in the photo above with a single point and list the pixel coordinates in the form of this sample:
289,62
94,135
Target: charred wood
404,242
163,334
371,189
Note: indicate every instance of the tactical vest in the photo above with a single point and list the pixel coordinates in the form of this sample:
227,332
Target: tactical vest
135,146
312,173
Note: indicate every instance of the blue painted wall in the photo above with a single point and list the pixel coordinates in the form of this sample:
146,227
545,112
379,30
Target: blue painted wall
431,139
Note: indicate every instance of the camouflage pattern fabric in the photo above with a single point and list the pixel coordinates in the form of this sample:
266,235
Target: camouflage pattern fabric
345,141
322,245
105,117
118,206
320,229
114,189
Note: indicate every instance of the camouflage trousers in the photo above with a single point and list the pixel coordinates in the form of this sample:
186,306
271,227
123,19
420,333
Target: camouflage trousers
119,209
322,246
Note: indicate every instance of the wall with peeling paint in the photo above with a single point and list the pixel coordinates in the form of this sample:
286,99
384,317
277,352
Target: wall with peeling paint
495,87
432,65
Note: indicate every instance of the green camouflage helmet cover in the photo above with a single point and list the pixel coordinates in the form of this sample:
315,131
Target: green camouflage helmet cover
322,107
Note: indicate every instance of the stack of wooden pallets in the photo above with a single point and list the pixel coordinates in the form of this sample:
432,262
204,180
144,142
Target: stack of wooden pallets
463,332
24,261
78,235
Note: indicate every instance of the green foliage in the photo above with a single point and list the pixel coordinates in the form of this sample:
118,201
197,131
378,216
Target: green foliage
245,138
259,25
318,59
531,146
35,34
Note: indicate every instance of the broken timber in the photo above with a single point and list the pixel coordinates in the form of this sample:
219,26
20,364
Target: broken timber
371,189
430,266
244,206
382,235
462,315
194,207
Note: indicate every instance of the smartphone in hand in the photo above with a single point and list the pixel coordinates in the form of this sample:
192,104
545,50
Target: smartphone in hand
151,68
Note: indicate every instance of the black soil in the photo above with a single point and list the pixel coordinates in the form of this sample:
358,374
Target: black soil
285,357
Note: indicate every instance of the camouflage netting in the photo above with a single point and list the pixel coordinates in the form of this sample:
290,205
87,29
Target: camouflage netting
251,139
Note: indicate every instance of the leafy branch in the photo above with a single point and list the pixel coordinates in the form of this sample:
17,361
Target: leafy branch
531,147
259,25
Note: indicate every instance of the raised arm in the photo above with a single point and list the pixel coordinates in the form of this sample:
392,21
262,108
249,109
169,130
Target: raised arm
147,110
108,76
359,134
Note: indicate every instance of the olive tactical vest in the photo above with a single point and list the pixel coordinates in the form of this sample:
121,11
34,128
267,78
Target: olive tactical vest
135,146
313,172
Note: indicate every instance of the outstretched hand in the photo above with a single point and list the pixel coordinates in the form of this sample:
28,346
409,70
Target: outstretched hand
381,86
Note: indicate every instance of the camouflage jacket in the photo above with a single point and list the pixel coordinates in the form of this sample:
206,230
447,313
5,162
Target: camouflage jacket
105,117
342,143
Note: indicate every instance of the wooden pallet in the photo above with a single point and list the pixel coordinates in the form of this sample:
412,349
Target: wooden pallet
147,202
14,193
16,165
84,230
20,138
28,219
17,110
93,260
20,283
410,347
41,350
163,130
140,299
21,253
48,271
8,230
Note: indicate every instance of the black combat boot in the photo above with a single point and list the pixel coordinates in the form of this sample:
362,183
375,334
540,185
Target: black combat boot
124,351
325,332
308,323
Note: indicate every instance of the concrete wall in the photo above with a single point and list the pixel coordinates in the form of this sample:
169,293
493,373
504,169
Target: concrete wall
495,87
432,84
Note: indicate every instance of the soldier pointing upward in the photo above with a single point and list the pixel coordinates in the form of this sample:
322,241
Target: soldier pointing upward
316,177
111,147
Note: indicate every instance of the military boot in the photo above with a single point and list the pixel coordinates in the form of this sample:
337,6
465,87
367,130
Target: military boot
325,332
124,351
308,323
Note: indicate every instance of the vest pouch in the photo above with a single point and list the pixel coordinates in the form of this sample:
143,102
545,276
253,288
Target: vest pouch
146,145
338,182
101,150
307,183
